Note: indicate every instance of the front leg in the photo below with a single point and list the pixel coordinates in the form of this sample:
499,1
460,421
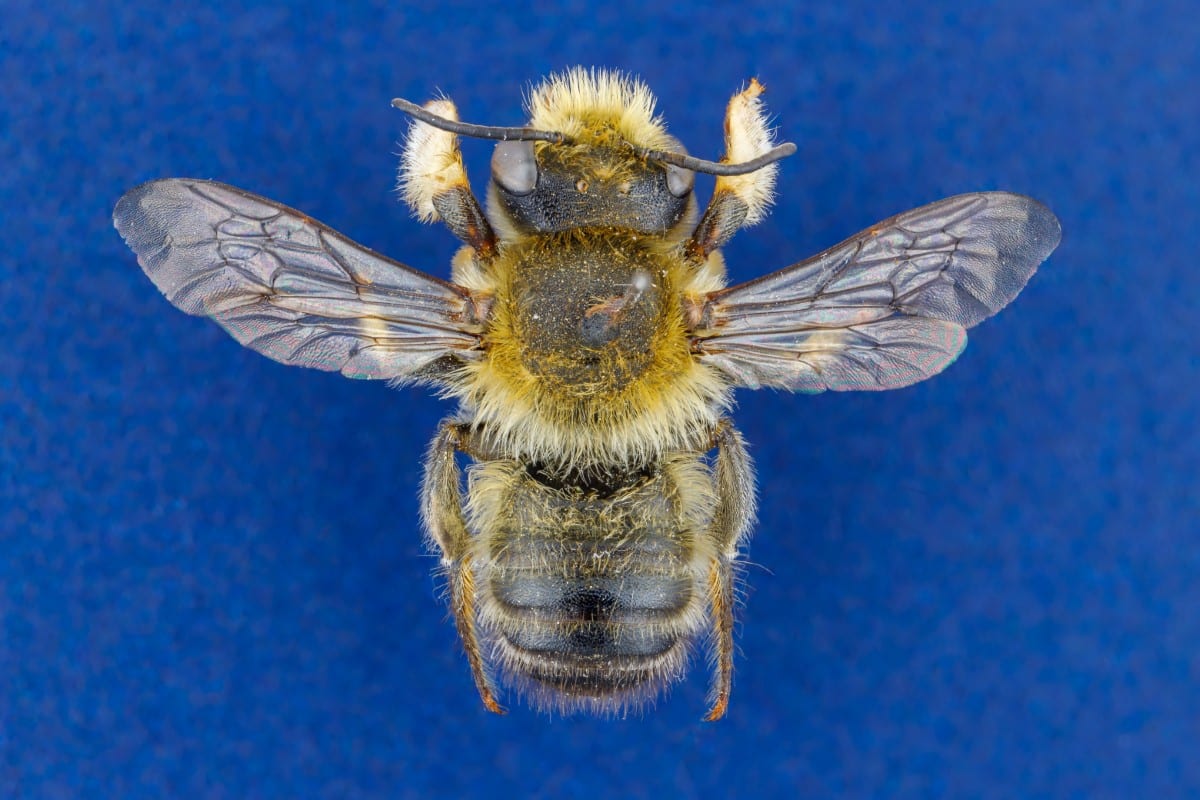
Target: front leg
434,182
442,513
738,200
730,523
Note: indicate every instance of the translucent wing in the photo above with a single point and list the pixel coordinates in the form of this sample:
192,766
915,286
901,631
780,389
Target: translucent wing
288,286
884,309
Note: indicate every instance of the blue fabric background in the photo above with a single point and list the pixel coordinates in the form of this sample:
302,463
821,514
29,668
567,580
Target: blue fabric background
212,582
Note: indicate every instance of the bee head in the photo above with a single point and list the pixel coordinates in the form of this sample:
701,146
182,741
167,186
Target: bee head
545,187
594,155
598,173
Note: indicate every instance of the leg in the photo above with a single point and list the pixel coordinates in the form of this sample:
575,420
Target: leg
738,200
434,182
441,511
731,520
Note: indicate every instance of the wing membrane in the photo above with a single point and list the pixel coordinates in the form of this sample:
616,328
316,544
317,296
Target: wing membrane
886,308
288,286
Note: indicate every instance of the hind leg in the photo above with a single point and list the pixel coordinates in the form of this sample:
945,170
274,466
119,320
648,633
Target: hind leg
442,513
730,523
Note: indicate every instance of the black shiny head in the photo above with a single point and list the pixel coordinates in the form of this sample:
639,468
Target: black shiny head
547,188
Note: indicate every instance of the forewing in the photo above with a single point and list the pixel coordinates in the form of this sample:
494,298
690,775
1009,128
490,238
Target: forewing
884,309
288,286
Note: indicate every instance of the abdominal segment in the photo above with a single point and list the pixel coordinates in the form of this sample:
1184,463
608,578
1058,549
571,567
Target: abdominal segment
590,591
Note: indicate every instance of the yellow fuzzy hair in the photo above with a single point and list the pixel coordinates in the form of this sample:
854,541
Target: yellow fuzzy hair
583,103
674,406
430,163
748,135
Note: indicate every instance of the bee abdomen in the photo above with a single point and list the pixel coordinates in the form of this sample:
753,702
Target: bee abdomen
590,589
617,598
597,617
595,637
598,683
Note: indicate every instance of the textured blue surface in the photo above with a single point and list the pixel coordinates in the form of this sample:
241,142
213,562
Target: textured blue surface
212,582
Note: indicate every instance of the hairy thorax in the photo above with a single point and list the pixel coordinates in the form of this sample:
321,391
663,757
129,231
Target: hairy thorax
587,355
592,322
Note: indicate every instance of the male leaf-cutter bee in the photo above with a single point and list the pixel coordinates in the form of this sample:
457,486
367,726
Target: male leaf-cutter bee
593,347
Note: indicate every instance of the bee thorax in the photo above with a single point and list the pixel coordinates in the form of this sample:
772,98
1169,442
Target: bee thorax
587,325
601,322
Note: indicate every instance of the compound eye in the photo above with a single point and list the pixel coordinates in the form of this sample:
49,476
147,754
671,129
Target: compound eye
679,180
514,167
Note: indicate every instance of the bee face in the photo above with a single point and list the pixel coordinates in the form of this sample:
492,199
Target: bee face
548,188
593,346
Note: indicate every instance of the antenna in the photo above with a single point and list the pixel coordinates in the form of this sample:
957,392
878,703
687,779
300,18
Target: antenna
477,131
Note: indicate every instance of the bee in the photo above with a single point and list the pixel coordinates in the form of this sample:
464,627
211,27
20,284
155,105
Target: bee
590,340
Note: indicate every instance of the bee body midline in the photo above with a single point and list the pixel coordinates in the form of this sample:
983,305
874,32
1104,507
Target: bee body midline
593,348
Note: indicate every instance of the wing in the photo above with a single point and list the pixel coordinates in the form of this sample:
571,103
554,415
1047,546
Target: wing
884,309
288,286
